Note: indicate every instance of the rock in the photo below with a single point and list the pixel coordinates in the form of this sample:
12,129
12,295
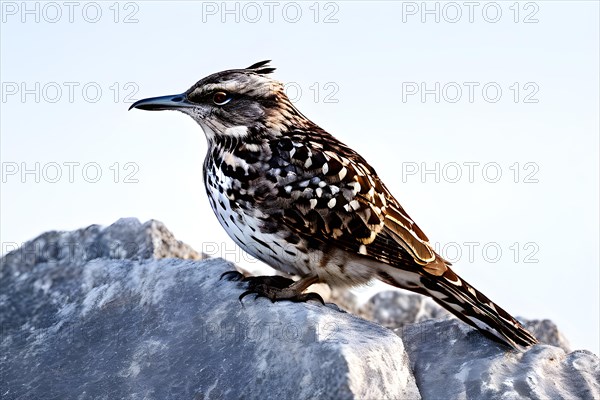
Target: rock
452,360
116,312
125,239
547,332
394,309
99,313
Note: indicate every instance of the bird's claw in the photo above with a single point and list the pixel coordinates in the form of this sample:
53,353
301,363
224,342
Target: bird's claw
276,288
232,276
303,297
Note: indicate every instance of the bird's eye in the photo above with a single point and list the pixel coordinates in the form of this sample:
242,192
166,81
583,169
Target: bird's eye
220,98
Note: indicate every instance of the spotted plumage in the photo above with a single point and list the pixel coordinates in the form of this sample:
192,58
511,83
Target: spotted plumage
295,197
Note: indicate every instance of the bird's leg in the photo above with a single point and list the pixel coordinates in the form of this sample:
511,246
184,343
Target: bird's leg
278,288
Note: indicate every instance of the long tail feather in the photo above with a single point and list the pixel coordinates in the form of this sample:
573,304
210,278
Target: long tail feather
468,304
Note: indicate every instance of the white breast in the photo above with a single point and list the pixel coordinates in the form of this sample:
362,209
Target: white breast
243,226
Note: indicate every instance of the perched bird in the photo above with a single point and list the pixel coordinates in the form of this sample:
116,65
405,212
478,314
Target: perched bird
295,197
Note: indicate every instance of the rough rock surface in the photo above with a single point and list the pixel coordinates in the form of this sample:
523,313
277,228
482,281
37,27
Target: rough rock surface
547,332
94,314
396,309
99,314
125,239
450,358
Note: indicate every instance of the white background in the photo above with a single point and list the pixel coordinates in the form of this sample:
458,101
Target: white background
368,54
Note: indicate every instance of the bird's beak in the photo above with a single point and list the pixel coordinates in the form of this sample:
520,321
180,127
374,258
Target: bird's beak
173,102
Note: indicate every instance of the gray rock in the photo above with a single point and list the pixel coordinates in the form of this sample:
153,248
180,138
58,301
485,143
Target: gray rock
95,314
394,309
99,313
451,360
547,332
125,239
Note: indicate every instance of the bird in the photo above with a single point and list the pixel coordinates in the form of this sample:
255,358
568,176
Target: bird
295,197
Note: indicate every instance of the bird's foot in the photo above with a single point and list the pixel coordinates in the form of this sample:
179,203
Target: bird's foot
277,288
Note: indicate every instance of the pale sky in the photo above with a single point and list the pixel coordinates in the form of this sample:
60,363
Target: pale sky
484,123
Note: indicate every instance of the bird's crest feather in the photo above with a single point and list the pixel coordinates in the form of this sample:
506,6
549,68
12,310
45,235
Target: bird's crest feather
261,67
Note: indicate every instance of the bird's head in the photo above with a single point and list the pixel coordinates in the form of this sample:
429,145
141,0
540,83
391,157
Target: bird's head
235,102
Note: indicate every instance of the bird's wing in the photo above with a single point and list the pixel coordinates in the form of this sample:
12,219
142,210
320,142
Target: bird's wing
338,200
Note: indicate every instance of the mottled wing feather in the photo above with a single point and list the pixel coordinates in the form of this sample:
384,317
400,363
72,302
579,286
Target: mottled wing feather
335,197
399,225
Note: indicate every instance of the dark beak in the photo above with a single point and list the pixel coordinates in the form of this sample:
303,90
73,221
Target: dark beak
173,102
